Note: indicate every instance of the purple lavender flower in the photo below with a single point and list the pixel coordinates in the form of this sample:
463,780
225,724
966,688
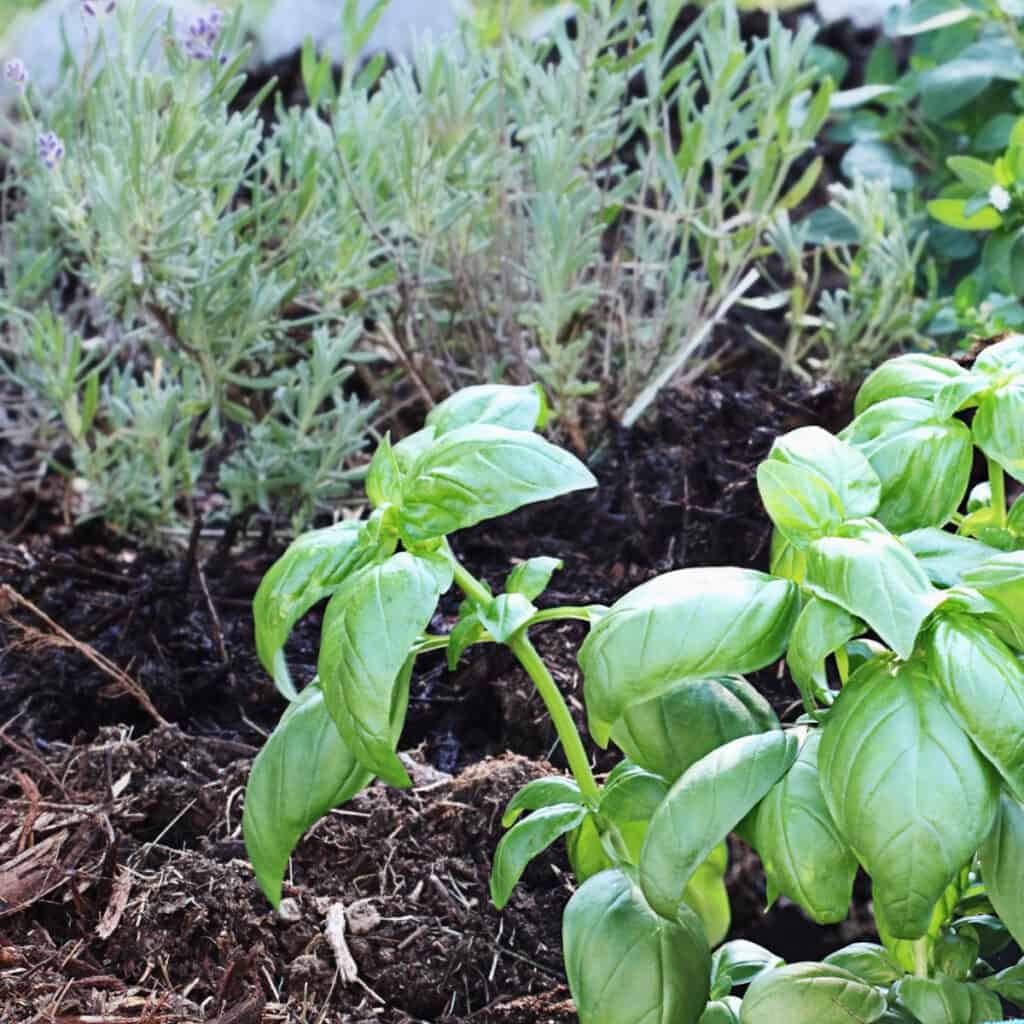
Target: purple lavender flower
51,149
16,73
93,9
203,33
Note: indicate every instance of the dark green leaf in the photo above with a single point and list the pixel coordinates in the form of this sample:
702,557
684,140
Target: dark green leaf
907,789
466,632
675,730
804,855
689,624
369,628
704,806
1009,983
869,962
1002,866
531,578
627,965
739,962
303,771
538,793
524,841
811,994
945,1001
482,471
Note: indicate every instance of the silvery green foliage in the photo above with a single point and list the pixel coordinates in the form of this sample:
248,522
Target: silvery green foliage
183,255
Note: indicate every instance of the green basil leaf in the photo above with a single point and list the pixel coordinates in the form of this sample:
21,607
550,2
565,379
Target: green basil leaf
945,556
998,617
524,841
811,994
303,771
945,1001
983,683
787,561
900,435
821,629
676,729
707,896
1001,579
466,632
803,853
1009,983
999,427
369,627
704,806
1015,518
631,793
627,965
1002,359
722,1011
867,571
407,451
955,953
869,962
740,962
992,933
959,394
1002,866
314,566
911,376
481,471
506,615
501,405
909,792
531,578
812,481
384,477
538,793
587,854
689,624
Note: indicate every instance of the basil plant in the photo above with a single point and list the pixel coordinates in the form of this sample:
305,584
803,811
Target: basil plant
896,597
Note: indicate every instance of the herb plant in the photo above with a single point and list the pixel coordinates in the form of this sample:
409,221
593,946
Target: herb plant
897,599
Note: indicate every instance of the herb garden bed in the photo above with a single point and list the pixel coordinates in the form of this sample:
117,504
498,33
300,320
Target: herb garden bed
154,910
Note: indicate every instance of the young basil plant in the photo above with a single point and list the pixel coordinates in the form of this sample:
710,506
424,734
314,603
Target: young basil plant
896,598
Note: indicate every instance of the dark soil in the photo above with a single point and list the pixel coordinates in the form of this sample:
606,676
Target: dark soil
126,893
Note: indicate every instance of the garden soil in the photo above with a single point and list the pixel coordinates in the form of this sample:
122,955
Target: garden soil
131,706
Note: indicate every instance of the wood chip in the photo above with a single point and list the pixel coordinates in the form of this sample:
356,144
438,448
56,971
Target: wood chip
119,893
335,932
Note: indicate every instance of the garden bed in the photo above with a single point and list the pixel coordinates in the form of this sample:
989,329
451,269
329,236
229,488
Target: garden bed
125,890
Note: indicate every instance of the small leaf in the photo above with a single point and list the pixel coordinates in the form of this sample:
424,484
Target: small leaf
1002,866
742,961
480,472
999,427
869,962
631,794
911,376
688,624
811,994
524,841
954,213
538,793
384,477
703,807
501,405
506,615
1009,983
627,965
303,771
531,578
466,632
821,629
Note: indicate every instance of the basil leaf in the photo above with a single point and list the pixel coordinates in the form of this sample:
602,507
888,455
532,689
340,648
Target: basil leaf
481,471
538,793
956,953
675,730
384,478
410,448
999,427
740,962
531,578
821,629
722,1011
501,405
804,855
911,376
998,617
811,994
1001,579
983,683
787,561
631,793
945,1001
524,841
945,556
898,437
1002,866
627,965
1009,983
812,481
907,789
1000,360
867,571
708,897
869,962
466,632
586,851
1015,518
688,624
703,807
369,627
506,615
303,771
960,393
314,566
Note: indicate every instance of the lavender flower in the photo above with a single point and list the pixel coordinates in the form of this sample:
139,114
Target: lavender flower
16,73
93,9
203,33
51,149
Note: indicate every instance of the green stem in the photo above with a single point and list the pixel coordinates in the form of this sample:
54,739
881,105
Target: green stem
528,657
843,664
921,957
584,613
997,481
